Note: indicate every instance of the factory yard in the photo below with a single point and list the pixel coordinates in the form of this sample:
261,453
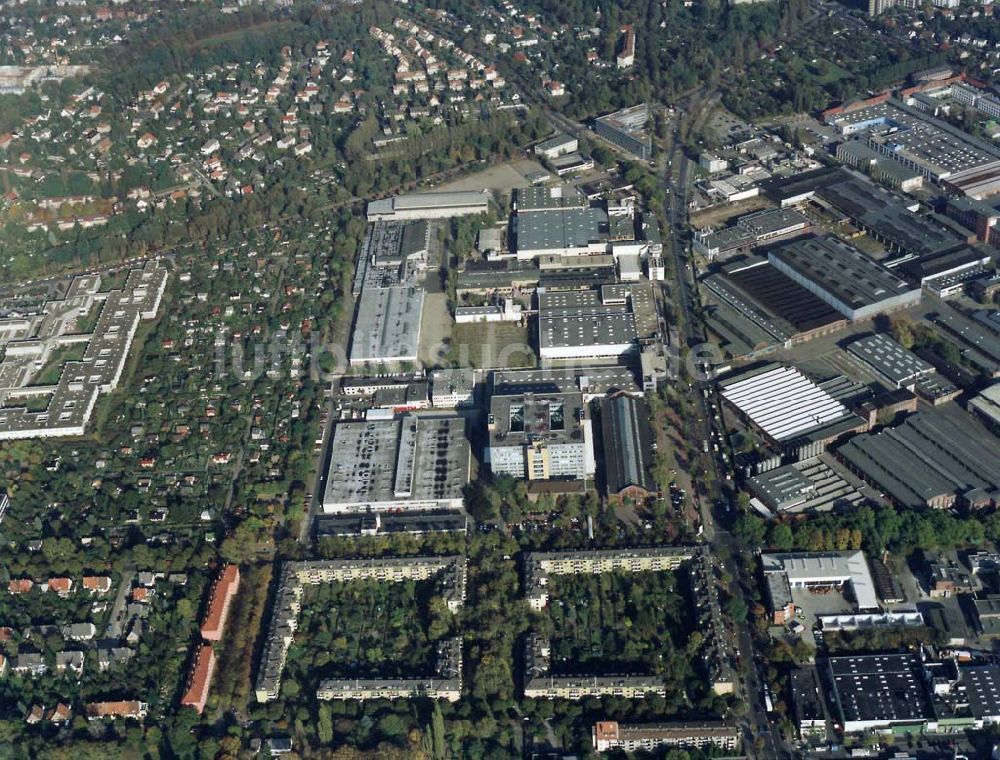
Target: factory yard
501,178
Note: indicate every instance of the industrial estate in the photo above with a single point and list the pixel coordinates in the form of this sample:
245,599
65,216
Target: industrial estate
490,379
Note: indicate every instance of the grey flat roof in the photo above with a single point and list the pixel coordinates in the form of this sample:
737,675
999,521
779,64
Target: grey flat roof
982,688
773,221
810,568
727,239
840,270
782,487
556,141
889,359
589,380
885,213
556,230
880,688
440,199
419,522
612,329
554,417
387,326
387,461
542,198
920,138
971,332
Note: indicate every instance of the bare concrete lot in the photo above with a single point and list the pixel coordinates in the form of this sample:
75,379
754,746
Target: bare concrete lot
500,178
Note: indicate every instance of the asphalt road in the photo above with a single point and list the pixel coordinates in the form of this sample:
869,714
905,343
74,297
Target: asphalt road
710,493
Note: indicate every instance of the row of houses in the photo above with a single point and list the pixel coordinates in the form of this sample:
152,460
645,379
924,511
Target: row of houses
445,683
202,668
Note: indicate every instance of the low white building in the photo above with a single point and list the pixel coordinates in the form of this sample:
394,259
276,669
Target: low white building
558,145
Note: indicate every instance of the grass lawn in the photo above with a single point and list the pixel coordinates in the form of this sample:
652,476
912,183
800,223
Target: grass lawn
53,368
491,344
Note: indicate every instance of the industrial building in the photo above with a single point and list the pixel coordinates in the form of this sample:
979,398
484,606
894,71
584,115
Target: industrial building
627,129
757,304
787,572
889,361
931,459
881,213
387,325
437,205
565,232
557,221
857,154
414,462
591,382
592,324
808,486
843,277
750,231
940,152
879,692
627,448
978,336
947,274
571,163
788,408
392,253
558,145
540,437
986,405
386,523
453,388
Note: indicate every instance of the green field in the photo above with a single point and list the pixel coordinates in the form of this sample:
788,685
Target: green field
491,344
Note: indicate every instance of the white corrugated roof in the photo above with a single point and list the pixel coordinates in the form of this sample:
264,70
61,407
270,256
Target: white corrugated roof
783,402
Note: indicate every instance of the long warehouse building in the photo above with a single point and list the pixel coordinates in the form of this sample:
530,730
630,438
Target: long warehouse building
440,205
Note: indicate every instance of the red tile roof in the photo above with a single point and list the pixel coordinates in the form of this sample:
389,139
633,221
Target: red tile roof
199,679
222,595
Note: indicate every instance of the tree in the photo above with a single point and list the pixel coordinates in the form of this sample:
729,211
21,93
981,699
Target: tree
392,726
750,529
324,723
903,332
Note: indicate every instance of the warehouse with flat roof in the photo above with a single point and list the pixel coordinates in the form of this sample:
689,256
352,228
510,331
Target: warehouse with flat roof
563,232
591,324
843,277
889,361
387,325
805,570
415,462
436,205
879,691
